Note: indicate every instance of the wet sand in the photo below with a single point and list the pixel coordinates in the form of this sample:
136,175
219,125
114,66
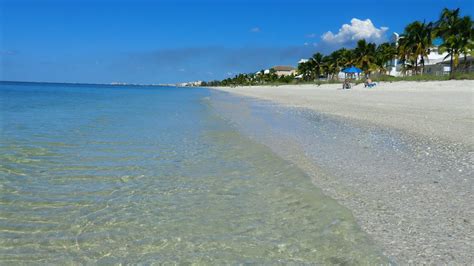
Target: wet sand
399,156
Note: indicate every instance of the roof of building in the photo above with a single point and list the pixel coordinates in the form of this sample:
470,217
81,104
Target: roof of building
283,68
446,61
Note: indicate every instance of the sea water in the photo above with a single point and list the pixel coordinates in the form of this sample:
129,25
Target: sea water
117,174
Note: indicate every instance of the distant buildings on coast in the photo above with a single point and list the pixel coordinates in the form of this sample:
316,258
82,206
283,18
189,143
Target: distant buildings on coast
282,70
189,84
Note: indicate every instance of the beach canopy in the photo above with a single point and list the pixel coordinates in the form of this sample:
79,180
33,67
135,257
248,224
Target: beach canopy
352,69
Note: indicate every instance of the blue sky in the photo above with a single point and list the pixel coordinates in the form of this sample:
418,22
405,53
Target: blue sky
144,41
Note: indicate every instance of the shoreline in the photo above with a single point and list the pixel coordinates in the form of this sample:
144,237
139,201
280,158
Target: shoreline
411,191
439,110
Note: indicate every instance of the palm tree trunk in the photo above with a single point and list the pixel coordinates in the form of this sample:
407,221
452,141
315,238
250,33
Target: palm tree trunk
466,66
451,69
422,65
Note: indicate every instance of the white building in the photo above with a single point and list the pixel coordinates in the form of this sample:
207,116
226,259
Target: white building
190,84
434,60
284,70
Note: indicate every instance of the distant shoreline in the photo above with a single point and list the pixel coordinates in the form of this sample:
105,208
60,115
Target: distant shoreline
84,84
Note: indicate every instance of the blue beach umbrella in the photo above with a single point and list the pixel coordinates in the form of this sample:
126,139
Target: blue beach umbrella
352,70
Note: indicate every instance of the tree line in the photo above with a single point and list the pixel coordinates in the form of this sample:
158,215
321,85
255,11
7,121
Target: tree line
455,32
249,79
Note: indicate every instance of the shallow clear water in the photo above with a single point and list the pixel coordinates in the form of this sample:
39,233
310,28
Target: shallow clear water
94,174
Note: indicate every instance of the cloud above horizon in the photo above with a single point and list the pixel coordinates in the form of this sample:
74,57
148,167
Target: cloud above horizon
7,52
349,34
255,29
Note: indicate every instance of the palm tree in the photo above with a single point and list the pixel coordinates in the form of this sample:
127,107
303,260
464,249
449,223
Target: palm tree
384,53
336,61
327,66
457,35
364,56
332,63
317,64
404,53
467,33
305,69
416,42
346,57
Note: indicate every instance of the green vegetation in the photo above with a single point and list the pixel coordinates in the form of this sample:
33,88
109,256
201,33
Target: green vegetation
457,33
457,76
250,79
414,45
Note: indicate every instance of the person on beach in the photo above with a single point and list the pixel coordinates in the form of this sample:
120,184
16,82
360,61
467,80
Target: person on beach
346,84
369,83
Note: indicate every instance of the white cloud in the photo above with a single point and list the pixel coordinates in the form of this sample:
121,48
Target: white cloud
255,29
357,30
7,52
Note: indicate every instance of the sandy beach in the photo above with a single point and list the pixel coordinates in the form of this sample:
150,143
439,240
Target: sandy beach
399,156
442,110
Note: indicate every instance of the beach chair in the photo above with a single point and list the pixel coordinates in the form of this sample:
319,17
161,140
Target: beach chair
369,84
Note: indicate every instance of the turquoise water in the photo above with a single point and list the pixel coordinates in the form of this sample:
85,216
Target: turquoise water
98,174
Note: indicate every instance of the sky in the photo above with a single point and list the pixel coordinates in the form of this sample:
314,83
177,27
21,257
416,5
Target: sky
150,42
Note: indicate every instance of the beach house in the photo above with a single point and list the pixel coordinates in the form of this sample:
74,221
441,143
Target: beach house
284,70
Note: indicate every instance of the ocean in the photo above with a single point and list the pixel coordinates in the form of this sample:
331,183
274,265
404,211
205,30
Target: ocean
129,174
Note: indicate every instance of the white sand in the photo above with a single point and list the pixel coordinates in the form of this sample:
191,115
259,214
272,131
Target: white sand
438,109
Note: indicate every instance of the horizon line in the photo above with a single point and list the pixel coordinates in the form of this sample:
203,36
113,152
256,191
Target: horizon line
85,83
